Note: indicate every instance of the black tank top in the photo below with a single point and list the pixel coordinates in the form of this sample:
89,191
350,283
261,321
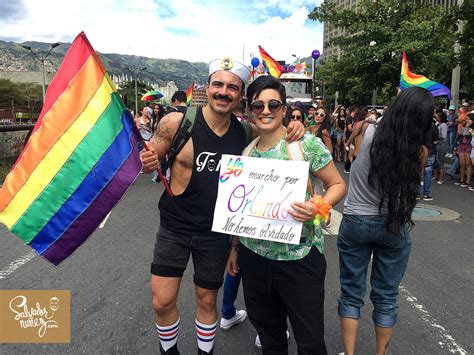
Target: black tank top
192,211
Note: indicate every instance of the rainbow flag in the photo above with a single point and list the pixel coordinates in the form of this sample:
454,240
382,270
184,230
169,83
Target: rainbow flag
189,94
407,79
274,68
81,158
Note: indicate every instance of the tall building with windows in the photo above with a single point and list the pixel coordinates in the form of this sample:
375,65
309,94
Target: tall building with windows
445,3
331,32
199,96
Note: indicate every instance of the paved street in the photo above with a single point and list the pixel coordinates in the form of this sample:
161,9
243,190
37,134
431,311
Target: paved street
110,298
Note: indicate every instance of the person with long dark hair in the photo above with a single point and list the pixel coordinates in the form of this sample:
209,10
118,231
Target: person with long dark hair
352,145
340,128
383,185
442,147
464,151
322,127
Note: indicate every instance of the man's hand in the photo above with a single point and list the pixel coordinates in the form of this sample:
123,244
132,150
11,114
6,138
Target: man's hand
232,267
295,131
149,160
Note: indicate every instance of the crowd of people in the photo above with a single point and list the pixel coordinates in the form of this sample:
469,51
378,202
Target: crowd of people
147,122
450,139
384,155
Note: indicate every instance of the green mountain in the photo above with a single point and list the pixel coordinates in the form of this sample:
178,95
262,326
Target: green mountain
13,57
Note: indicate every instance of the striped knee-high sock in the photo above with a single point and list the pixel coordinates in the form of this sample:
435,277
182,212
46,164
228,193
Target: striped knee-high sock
168,335
205,335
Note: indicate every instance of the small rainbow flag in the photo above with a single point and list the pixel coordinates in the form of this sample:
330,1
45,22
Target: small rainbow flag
274,68
81,158
189,94
407,79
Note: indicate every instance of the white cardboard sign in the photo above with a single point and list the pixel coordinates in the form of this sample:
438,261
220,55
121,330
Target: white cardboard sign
255,195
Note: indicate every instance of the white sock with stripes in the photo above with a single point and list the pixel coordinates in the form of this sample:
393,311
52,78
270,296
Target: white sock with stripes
205,335
168,335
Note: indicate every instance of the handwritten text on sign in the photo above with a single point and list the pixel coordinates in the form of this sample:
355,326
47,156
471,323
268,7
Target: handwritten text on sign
255,195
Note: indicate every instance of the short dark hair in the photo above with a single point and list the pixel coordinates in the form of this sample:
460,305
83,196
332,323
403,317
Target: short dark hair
180,96
265,82
442,117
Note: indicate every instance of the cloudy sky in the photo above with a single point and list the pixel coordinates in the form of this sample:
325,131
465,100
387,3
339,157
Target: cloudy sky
193,30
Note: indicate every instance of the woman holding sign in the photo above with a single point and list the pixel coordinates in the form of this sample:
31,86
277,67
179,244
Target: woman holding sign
383,185
287,280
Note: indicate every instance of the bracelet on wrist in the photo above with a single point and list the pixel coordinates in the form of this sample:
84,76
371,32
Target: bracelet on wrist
322,210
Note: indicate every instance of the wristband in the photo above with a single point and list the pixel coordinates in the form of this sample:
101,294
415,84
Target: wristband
322,209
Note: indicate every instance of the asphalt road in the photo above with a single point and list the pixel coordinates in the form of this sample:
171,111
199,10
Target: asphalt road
110,298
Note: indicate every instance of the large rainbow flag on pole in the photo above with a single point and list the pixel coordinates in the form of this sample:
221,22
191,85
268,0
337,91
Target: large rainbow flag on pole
189,94
81,158
407,79
274,68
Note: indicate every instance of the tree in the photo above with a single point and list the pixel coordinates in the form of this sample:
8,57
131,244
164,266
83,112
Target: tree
8,91
25,97
128,94
466,56
379,32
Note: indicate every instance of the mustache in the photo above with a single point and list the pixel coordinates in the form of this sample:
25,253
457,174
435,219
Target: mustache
222,97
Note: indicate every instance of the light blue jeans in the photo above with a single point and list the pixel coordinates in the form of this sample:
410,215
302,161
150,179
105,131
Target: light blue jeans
451,140
454,167
428,174
359,238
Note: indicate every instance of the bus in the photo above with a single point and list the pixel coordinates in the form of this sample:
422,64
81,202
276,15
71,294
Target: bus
299,88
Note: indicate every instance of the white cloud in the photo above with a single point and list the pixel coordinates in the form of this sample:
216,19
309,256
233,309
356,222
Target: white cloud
189,29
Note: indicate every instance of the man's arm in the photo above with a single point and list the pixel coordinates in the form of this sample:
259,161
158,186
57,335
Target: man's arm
160,143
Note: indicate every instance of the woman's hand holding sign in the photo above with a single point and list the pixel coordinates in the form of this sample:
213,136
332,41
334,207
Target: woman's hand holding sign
303,211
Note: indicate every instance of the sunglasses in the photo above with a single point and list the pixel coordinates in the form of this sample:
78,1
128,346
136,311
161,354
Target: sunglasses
320,114
257,107
294,117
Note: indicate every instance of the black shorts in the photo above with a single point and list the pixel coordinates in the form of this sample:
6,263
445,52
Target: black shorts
209,252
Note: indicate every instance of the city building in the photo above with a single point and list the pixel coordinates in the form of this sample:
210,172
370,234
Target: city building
167,90
330,31
28,76
199,96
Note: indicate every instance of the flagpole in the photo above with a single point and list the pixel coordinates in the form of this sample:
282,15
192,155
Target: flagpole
140,138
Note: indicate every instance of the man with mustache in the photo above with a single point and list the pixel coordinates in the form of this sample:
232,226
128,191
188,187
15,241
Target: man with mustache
186,217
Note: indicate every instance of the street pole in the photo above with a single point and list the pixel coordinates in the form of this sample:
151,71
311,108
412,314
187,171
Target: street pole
136,89
456,73
42,61
314,80
136,97
44,80
336,94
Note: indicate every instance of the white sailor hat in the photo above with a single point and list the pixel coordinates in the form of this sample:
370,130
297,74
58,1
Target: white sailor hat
237,68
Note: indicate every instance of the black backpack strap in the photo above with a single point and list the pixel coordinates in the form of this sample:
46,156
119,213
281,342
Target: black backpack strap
248,131
185,130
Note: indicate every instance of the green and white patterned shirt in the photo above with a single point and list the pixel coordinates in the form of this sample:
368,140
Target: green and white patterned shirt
318,156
